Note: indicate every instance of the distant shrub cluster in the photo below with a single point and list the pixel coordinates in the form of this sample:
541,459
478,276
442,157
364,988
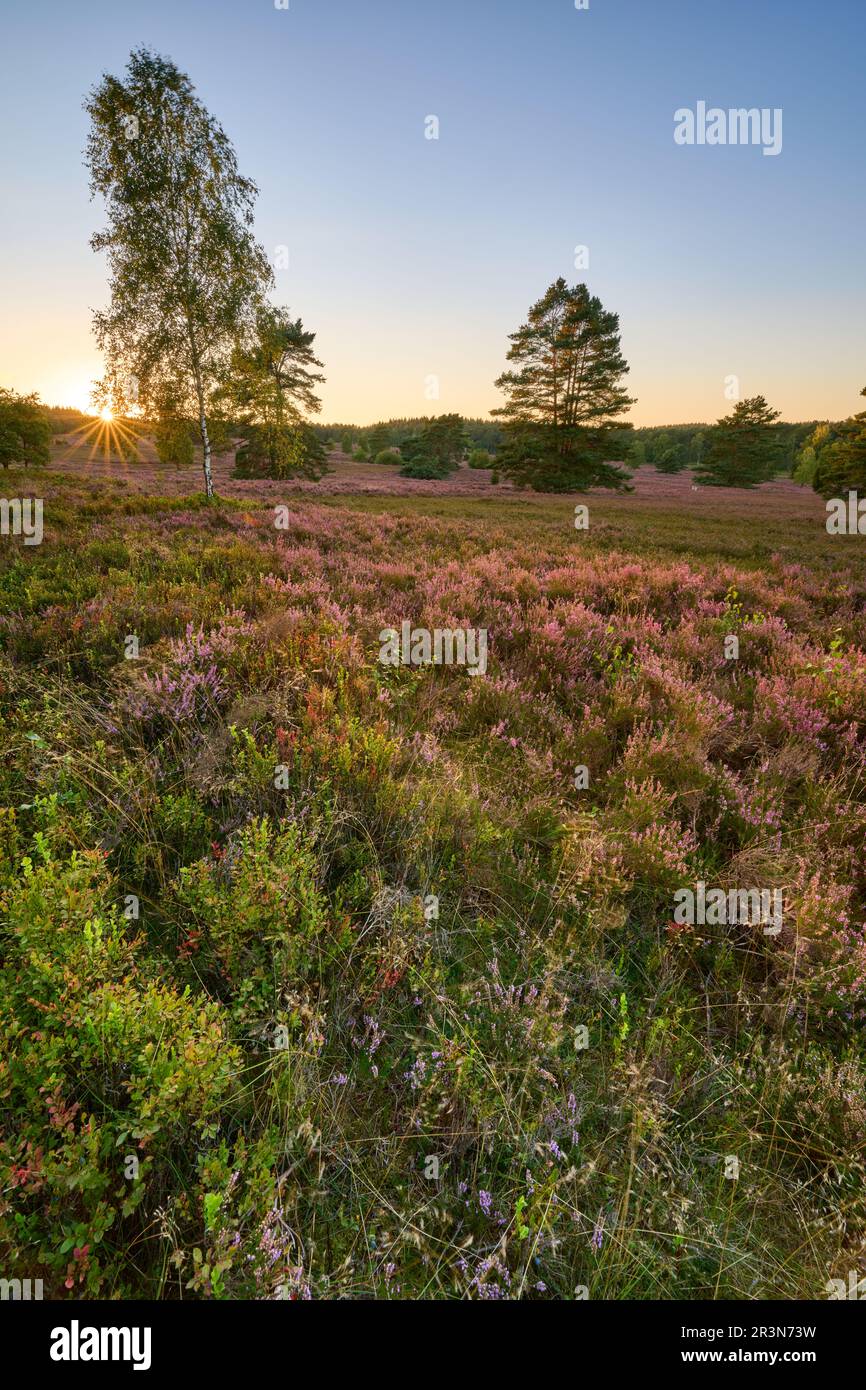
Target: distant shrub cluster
479,458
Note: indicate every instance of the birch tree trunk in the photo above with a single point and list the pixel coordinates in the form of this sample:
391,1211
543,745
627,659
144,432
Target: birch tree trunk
202,424
205,439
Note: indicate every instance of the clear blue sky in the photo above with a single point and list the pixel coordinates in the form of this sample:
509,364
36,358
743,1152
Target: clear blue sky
412,257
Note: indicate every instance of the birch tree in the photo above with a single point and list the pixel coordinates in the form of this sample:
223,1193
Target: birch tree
186,272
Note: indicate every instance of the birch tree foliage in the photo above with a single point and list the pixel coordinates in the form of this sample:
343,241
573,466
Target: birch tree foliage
186,272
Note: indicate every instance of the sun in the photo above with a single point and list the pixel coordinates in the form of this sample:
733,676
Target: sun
106,414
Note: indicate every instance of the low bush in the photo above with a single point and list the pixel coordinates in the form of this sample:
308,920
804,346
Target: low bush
425,468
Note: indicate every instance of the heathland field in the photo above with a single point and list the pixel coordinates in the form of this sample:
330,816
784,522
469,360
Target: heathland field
326,977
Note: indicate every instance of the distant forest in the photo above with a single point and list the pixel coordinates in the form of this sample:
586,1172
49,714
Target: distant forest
484,434
669,448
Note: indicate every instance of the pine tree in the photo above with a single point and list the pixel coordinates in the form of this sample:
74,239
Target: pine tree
744,448
444,440
668,454
270,388
378,439
441,443
563,401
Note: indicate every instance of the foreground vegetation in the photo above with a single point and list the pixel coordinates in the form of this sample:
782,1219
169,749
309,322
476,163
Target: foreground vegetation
339,1052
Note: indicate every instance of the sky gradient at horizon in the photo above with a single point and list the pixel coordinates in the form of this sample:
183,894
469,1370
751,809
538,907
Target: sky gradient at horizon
413,258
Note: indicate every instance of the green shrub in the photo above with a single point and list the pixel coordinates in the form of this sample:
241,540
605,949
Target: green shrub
479,458
107,555
425,468
260,922
387,456
116,1078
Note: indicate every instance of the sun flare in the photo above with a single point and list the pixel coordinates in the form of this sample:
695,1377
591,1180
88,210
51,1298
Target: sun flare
106,414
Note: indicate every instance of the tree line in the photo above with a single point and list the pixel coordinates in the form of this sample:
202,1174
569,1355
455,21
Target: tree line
481,434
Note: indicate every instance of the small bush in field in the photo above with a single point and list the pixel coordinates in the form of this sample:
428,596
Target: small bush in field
388,456
263,920
479,458
425,468
494,476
